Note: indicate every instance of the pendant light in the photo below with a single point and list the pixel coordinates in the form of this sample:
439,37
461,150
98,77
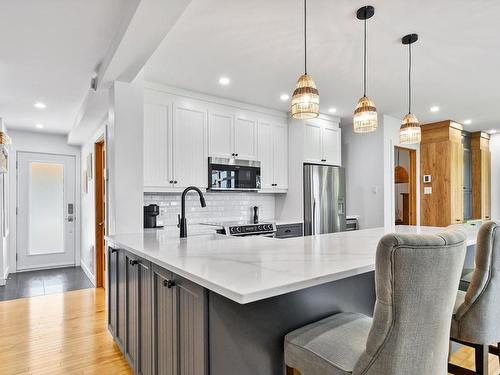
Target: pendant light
365,114
409,132
305,99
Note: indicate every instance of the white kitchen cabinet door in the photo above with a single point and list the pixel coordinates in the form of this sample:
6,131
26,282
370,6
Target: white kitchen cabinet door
220,134
312,142
245,138
331,145
280,137
157,172
189,140
265,154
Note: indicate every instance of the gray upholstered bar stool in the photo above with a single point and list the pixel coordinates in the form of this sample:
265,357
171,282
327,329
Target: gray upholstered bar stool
476,319
409,332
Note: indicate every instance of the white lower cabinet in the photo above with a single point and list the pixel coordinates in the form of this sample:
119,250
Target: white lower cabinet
273,155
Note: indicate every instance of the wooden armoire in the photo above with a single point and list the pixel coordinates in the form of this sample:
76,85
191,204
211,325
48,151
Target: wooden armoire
481,176
441,162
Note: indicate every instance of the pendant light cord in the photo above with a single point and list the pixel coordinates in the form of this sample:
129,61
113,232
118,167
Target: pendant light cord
409,78
364,60
305,36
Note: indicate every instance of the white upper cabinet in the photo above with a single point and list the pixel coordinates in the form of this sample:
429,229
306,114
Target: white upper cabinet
273,155
265,154
280,148
331,145
322,142
312,141
220,134
157,171
245,138
189,135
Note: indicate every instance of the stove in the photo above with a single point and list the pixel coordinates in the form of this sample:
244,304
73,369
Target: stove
245,228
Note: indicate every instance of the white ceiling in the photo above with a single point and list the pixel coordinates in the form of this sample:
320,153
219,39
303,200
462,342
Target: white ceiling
258,44
49,52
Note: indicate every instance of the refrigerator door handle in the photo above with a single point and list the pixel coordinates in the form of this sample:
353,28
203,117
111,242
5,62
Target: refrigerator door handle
341,208
313,221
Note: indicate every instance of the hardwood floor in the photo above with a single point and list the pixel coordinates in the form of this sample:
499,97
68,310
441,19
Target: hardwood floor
66,333
62,333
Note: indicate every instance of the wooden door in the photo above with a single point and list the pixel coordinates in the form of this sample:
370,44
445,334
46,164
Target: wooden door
280,159
312,142
245,138
189,138
165,360
265,155
112,290
330,145
121,293
220,134
144,318
100,212
191,306
157,170
131,317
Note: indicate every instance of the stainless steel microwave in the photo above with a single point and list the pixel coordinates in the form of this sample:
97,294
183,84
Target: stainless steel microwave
233,174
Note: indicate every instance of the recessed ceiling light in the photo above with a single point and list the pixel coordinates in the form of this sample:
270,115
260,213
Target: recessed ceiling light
332,110
224,81
39,126
284,97
40,105
492,131
467,122
434,108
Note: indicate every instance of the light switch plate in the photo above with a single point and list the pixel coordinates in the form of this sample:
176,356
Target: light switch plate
428,190
427,179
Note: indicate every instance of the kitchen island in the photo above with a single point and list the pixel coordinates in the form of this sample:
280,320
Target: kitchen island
220,305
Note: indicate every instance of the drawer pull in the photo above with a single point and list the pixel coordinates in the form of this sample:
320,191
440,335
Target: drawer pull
288,231
169,283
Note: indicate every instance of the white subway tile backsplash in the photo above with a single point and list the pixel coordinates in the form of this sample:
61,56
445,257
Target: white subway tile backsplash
220,207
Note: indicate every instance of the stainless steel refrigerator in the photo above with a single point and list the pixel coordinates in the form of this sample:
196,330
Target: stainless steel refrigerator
324,199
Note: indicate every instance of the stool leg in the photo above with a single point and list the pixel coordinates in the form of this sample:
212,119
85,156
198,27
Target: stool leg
292,371
481,352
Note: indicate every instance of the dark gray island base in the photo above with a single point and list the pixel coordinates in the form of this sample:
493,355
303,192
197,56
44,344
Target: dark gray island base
248,339
167,325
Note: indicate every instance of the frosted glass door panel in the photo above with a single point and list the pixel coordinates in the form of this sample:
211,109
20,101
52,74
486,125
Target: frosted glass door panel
47,215
46,192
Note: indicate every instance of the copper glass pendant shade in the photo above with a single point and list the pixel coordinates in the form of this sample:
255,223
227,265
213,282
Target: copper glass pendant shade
305,98
409,132
365,115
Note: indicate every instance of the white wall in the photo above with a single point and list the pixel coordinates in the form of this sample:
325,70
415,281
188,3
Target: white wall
495,176
363,158
42,143
88,209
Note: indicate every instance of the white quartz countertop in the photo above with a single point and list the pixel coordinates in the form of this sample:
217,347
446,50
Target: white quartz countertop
249,269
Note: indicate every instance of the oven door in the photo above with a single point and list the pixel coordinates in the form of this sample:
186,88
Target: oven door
234,175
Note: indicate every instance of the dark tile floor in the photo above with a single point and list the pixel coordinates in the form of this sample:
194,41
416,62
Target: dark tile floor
38,283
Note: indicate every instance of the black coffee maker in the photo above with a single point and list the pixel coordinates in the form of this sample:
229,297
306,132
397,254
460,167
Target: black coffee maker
150,214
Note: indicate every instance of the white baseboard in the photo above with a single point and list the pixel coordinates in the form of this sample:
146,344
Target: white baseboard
87,272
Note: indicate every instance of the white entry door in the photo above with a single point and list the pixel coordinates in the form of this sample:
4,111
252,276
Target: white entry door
45,210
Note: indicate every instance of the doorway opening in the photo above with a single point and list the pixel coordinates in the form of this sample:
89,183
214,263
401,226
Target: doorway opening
100,210
405,189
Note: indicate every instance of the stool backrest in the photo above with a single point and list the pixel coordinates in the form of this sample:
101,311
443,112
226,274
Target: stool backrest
478,317
417,279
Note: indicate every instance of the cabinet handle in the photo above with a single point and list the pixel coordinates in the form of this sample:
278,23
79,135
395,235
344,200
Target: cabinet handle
233,154
175,181
169,283
236,154
487,217
133,262
288,231
113,250
171,181
323,160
